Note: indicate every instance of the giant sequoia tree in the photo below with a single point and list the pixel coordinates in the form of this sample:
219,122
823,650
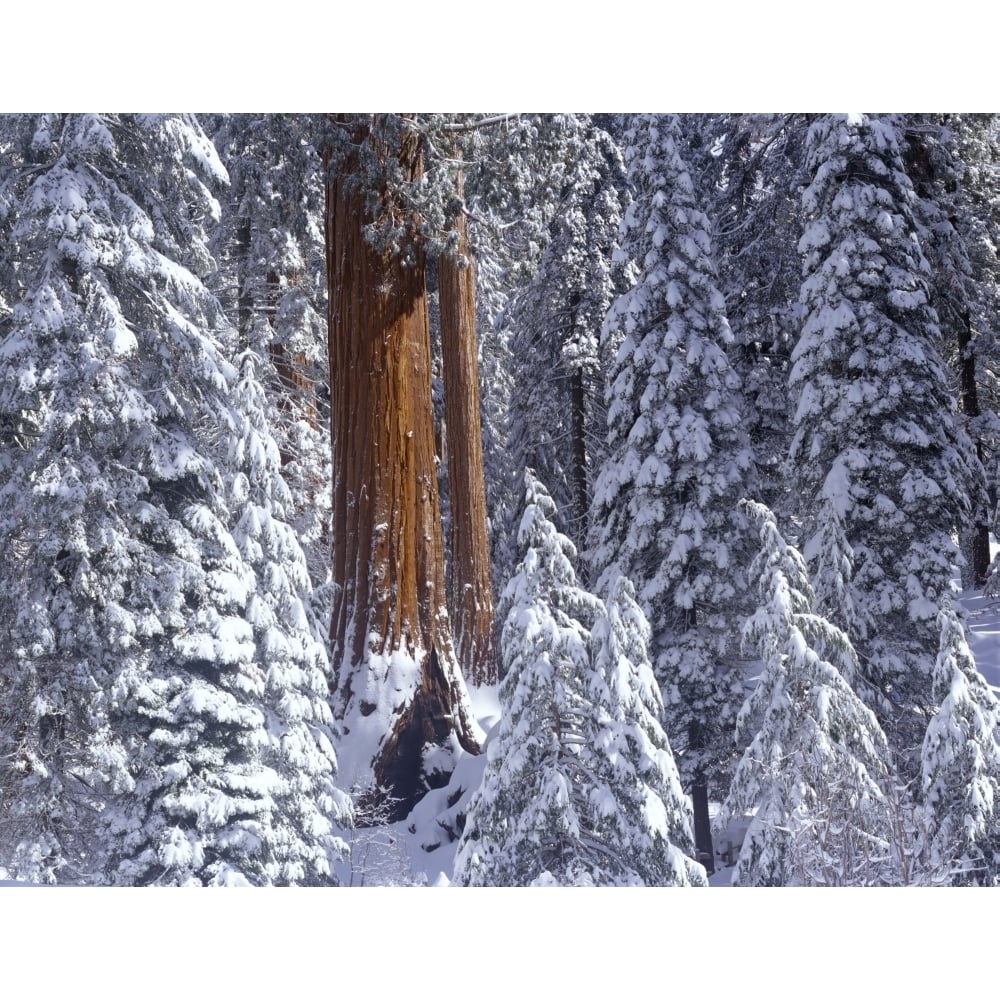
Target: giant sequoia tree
400,693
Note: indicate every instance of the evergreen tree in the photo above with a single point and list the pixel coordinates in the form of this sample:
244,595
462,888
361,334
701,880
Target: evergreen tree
749,167
523,174
528,821
571,790
270,245
877,445
68,409
469,578
665,506
960,764
199,807
933,163
812,772
126,647
556,406
400,694
977,154
496,367
295,699
652,823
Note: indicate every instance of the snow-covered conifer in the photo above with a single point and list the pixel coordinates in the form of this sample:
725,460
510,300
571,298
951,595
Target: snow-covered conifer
296,692
271,246
877,444
650,819
573,757
141,754
665,502
750,168
526,821
960,764
211,801
68,406
556,406
963,296
811,773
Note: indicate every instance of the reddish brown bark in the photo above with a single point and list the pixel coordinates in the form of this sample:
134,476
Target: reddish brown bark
388,553
471,597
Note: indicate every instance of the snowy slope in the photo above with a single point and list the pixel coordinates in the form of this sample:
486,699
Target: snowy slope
984,633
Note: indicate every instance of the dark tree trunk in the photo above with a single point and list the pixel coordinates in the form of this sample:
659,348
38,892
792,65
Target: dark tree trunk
387,552
704,847
581,484
244,298
471,587
970,406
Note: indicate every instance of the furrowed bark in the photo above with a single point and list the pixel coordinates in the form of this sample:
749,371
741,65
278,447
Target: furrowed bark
387,551
471,598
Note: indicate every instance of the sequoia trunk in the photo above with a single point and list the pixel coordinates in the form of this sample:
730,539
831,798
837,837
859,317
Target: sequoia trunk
399,690
471,587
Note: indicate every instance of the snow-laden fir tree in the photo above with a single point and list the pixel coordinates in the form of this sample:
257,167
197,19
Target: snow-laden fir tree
749,167
139,750
958,295
815,761
270,245
977,153
877,445
960,764
665,502
216,798
527,822
68,406
199,807
651,818
576,770
522,174
556,408
295,699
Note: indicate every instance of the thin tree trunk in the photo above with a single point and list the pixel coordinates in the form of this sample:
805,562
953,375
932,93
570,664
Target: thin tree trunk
581,484
399,689
970,407
704,847
244,299
471,587
578,424
296,388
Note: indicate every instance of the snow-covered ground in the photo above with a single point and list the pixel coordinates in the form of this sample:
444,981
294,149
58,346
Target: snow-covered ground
984,633
420,850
